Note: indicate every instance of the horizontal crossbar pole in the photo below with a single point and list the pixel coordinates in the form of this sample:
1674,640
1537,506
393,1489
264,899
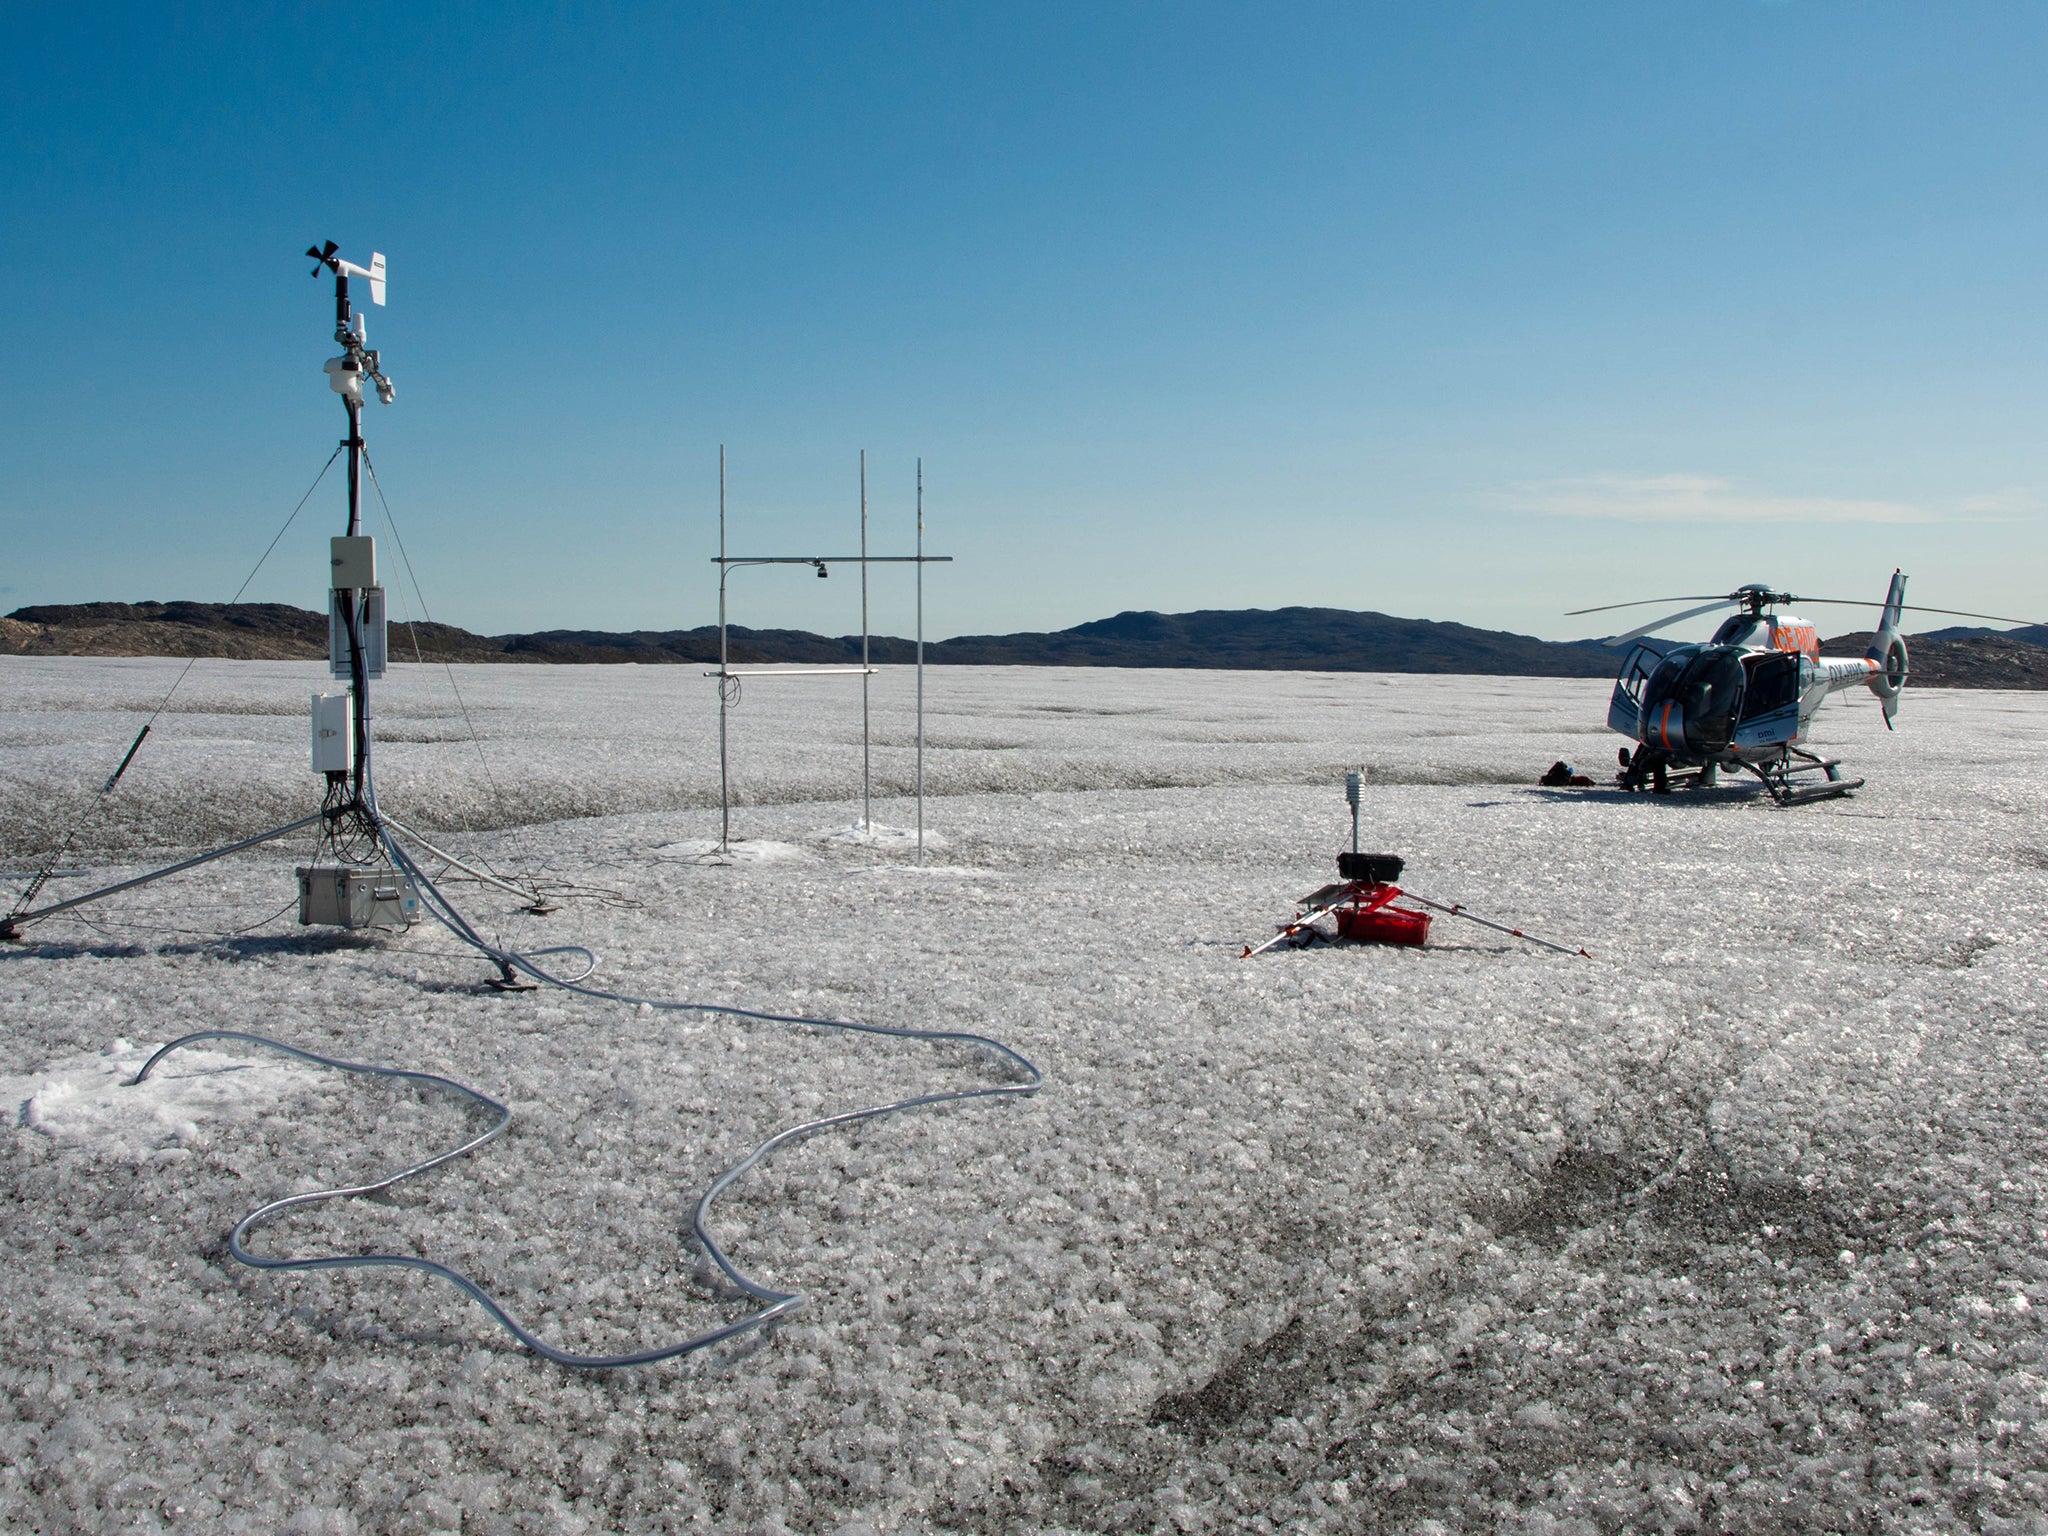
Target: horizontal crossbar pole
800,672
831,560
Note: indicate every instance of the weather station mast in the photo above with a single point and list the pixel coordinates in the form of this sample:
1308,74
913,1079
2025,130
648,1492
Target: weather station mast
356,623
352,883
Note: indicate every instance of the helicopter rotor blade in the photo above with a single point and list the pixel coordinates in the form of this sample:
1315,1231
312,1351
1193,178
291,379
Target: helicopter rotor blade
1644,602
1670,618
1952,613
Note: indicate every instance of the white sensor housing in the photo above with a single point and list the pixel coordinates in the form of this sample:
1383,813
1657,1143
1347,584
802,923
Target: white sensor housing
353,559
334,742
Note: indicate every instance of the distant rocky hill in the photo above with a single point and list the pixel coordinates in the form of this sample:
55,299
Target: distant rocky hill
1295,639
2034,634
241,631
1309,639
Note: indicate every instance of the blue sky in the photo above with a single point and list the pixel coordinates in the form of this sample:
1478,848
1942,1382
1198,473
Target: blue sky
1474,312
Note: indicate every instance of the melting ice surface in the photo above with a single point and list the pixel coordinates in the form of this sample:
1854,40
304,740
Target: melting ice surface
1748,1214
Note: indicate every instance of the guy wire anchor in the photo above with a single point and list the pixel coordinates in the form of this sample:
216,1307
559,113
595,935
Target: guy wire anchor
509,980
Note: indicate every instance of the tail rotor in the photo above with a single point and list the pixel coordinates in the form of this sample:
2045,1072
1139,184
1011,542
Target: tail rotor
1888,650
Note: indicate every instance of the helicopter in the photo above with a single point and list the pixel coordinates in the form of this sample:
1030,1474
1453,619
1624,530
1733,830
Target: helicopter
1745,700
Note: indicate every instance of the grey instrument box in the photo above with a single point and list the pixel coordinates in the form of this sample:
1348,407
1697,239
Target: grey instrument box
353,559
346,897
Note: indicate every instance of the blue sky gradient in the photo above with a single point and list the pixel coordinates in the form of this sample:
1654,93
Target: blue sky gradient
1474,312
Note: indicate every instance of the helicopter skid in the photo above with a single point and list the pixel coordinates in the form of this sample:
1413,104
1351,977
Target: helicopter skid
1802,794
1779,780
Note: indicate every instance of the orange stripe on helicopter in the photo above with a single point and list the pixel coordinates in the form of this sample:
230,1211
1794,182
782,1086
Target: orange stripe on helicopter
1796,639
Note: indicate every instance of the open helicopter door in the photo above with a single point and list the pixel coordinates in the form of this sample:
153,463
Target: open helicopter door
1770,701
1625,707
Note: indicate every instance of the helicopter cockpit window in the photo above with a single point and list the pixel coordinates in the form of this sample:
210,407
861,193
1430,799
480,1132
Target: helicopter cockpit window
1773,684
1664,681
1636,670
1709,694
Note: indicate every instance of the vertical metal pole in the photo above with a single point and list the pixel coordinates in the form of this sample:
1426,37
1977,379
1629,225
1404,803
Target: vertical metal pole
724,781
353,609
920,661
355,468
867,814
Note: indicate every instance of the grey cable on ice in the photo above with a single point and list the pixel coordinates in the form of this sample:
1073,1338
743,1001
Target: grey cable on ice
777,1304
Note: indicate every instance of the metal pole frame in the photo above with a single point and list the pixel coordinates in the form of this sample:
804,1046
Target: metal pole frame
724,672
728,678
9,927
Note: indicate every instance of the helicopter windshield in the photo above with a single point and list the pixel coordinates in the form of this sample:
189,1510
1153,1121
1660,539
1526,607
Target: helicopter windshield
1706,685
1663,682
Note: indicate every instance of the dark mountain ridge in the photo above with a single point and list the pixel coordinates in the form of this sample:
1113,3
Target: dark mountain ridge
1309,639
1248,639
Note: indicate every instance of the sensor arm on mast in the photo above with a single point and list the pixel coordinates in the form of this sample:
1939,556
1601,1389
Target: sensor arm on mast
357,362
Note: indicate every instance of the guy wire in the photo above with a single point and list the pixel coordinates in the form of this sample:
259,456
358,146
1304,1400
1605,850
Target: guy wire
447,667
99,801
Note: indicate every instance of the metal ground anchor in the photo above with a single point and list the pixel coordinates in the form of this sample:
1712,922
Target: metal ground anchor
509,980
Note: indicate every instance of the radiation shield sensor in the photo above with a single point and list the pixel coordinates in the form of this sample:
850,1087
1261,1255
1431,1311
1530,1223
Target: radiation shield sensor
366,605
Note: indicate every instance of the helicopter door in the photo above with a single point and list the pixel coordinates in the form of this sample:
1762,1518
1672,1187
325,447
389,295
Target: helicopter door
1770,701
1625,708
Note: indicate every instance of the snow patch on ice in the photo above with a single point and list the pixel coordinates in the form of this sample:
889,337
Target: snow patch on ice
875,835
86,1101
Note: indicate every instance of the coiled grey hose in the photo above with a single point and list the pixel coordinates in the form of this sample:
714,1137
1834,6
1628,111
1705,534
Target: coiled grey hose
777,1304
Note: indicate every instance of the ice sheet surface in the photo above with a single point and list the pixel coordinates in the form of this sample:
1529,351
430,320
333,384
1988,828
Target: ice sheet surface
1745,1215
